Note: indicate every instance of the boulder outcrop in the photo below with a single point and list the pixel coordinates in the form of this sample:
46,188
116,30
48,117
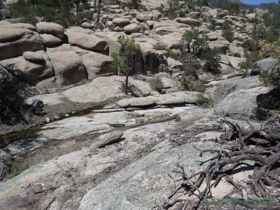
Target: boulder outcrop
36,67
86,41
68,67
15,41
189,21
50,28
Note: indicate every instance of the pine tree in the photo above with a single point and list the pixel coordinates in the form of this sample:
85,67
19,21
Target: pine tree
124,61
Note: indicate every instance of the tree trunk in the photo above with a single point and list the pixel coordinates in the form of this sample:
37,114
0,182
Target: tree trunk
126,82
77,8
99,7
94,5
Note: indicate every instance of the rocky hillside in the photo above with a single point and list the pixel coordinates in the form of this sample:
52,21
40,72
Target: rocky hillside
95,147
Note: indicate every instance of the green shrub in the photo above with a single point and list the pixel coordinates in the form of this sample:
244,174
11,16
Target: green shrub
213,23
227,31
143,29
203,101
16,170
173,55
212,58
250,45
159,46
185,82
134,4
272,78
193,85
134,15
182,14
30,18
156,84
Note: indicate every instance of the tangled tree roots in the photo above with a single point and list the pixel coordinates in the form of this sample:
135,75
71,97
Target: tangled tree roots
265,156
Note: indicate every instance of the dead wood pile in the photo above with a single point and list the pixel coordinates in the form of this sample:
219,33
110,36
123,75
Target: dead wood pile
259,146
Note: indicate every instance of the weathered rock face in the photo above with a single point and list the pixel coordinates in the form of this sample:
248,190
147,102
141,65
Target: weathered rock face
63,47
50,40
38,67
232,61
152,59
86,41
219,41
50,28
173,63
139,184
264,65
99,90
235,97
139,88
68,67
107,139
15,41
189,21
95,63
19,25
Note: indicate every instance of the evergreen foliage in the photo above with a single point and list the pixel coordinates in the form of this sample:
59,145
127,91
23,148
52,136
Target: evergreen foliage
124,61
59,11
227,31
232,8
212,59
193,42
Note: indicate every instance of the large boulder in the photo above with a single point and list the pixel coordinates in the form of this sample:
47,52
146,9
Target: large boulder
19,25
189,21
143,16
95,63
234,61
68,66
156,14
132,28
174,63
38,56
87,25
251,17
37,67
121,21
219,42
237,96
114,16
101,89
15,41
265,66
87,41
50,28
50,40
139,88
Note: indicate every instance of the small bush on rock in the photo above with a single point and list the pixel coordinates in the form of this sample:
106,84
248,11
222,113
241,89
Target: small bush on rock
156,84
212,58
227,31
203,101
